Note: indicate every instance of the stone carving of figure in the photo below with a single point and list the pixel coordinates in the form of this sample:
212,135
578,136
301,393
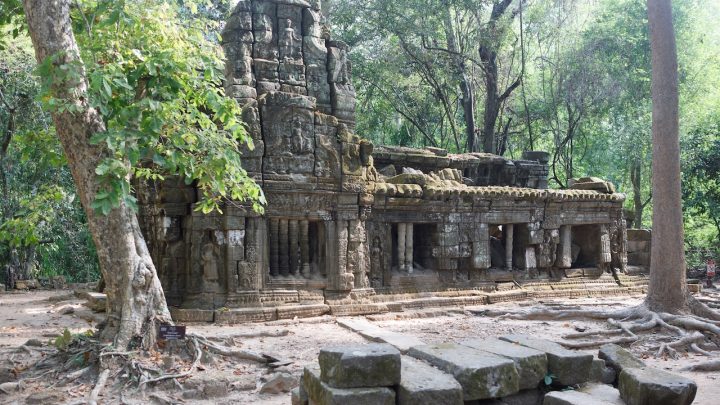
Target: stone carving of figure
341,74
210,266
288,40
299,143
265,30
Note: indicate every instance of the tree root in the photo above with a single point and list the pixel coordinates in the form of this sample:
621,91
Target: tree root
707,366
692,331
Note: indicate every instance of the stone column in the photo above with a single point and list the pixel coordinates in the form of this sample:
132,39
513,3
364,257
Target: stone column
305,247
409,229
401,235
294,243
274,247
509,231
564,256
481,247
284,254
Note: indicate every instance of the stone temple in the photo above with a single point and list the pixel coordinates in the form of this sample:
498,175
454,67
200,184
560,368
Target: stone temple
350,228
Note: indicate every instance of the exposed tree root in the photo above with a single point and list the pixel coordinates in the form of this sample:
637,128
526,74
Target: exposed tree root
84,356
707,366
696,330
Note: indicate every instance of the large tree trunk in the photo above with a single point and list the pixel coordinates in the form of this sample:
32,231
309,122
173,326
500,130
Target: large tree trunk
668,290
492,99
135,297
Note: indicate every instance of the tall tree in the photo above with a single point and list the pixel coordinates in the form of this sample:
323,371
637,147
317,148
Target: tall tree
150,104
667,291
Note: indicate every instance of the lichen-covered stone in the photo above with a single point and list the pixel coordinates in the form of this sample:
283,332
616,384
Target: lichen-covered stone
531,364
372,365
320,393
481,374
568,367
421,383
649,386
600,372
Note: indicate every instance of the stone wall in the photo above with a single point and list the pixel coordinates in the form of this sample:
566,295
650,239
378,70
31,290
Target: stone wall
345,220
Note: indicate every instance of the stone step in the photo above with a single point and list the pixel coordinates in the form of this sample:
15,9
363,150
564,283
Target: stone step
530,364
320,393
568,367
481,374
423,384
371,365
649,386
605,392
375,333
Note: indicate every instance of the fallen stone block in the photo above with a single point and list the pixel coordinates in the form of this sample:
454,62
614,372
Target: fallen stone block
320,393
600,372
618,358
371,365
481,374
279,382
530,364
604,392
568,367
421,383
649,386
525,397
572,398
375,333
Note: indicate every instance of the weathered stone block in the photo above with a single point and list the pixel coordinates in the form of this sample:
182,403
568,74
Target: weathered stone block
421,383
322,394
649,386
600,372
618,358
572,398
372,365
530,364
482,375
568,367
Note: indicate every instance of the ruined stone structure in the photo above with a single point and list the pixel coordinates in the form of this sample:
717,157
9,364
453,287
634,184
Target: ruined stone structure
350,228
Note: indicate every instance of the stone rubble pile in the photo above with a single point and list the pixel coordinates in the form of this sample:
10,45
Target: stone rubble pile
513,369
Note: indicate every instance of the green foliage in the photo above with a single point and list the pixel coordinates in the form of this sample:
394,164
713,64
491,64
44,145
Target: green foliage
157,82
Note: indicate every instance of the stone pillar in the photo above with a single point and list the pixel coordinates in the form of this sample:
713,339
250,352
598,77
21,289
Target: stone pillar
509,231
274,247
284,254
294,246
409,229
305,247
564,256
401,235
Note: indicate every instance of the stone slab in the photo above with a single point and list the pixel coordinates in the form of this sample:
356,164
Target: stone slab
246,315
375,333
358,366
569,367
481,374
572,398
649,386
192,315
618,358
421,383
530,364
320,393
600,372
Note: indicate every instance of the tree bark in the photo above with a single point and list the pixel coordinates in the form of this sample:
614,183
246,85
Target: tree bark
667,291
135,297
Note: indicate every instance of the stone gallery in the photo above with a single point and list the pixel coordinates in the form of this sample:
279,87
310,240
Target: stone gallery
353,228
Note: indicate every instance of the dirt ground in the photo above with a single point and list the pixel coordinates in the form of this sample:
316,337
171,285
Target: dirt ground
43,315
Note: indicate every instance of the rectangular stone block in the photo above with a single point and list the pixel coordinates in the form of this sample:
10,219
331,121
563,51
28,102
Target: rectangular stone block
482,375
530,364
573,398
320,393
649,386
618,358
568,367
372,365
421,383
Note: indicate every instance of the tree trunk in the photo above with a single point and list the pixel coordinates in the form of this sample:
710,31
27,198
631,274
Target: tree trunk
492,100
667,291
468,92
636,180
135,297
